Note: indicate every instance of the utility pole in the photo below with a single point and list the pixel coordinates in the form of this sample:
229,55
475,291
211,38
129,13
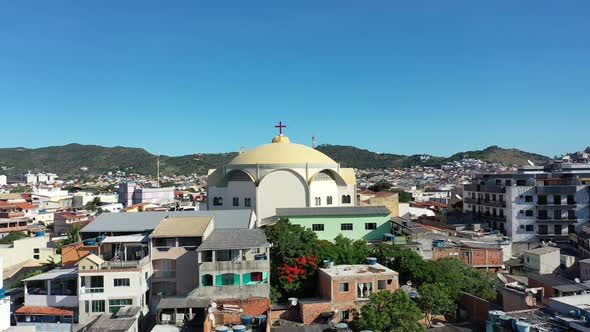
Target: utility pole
158,170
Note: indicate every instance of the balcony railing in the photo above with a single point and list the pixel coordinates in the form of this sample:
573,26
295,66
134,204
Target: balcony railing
91,290
111,265
165,274
486,188
491,217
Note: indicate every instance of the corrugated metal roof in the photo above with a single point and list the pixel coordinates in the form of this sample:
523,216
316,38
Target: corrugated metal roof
332,211
235,239
126,239
182,226
55,274
140,222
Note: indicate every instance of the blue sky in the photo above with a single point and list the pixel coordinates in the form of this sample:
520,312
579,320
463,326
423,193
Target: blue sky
408,77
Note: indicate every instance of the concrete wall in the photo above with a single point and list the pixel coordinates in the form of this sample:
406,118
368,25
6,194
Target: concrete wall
332,226
546,263
22,250
585,271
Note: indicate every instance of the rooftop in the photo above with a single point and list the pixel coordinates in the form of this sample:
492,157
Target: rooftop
182,226
235,239
542,250
333,211
357,270
147,221
55,274
40,310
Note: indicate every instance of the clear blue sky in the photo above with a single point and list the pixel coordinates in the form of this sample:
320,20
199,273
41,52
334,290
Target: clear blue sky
179,77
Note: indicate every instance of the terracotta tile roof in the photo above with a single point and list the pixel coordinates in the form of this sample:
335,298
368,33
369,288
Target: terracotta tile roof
25,206
39,310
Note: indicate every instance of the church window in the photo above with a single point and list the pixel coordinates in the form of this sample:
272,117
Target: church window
317,227
329,200
346,227
236,201
239,176
318,201
217,201
346,199
247,202
323,176
220,200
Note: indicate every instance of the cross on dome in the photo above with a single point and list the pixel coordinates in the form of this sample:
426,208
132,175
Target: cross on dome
280,126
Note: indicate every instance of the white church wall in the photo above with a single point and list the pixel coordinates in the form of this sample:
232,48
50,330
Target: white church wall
241,190
280,189
323,189
347,190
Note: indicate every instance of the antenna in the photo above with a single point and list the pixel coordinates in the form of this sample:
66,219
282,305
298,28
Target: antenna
502,278
313,140
531,163
409,283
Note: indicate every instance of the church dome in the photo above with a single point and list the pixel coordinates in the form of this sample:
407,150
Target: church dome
281,151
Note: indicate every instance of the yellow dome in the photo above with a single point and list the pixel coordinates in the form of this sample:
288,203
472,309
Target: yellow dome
281,152
281,139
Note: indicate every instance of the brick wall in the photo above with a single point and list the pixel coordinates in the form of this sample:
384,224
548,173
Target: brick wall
478,308
310,312
472,256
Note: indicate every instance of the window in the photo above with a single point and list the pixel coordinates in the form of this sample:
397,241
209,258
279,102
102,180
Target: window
556,214
207,280
345,315
343,287
571,199
97,305
528,198
329,200
571,214
364,289
369,226
529,213
557,229
381,284
557,199
217,201
542,199
247,202
87,307
508,182
256,276
346,199
542,214
116,304
318,201
571,229
236,201
528,259
530,228
121,282
498,182
521,227
317,227
346,227
543,229
228,279
521,182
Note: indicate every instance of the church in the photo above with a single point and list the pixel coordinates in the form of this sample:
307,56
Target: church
280,174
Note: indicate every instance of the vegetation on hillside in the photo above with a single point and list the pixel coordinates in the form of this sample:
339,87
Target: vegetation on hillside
12,236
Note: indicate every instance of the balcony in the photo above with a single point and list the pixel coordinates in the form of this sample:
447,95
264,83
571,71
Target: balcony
493,203
556,190
235,291
489,188
491,217
262,265
91,290
113,265
51,300
164,274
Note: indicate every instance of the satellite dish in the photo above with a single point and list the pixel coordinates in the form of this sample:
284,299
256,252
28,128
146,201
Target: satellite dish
502,278
409,283
534,290
292,301
211,310
531,163
503,267
213,305
457,196
577,280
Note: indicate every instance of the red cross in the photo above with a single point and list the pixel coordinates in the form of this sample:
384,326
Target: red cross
280,126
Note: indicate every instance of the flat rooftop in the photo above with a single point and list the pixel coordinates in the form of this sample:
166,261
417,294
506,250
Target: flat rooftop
357,270
542,250
182,226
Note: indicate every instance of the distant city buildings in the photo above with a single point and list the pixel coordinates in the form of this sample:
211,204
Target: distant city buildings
131,194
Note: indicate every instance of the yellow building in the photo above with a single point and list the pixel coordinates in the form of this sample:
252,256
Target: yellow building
383,198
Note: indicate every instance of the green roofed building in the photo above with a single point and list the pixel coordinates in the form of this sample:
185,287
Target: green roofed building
369,223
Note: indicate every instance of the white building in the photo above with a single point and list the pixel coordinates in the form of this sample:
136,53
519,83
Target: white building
130,194
24,249
280,175
3,180
542,260
534,204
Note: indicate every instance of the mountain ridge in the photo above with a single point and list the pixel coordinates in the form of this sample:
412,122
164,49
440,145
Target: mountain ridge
72,158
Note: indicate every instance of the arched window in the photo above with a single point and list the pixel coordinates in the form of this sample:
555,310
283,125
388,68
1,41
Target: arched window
346,199
247,202
207,280
329,200
216,201
318,201
236,201
220,200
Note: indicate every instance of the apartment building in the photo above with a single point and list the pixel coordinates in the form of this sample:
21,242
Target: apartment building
130,194
534,204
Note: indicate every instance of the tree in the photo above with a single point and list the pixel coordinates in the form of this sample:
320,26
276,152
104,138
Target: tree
18,282
93,205
407,263
405,197
18,190
435,299
12,236
344,250
293,257
389,312
380,186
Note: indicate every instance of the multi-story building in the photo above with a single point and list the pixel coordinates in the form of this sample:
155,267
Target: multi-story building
4,301
533,204
62,222
130,194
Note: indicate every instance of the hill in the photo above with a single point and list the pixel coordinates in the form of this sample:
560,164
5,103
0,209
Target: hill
68,160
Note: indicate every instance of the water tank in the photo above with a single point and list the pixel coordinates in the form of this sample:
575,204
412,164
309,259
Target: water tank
238,328
90,242
523,326
100,238
260,320
246,320
221,328
40,233
494,315
371,260
341,327
505,321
